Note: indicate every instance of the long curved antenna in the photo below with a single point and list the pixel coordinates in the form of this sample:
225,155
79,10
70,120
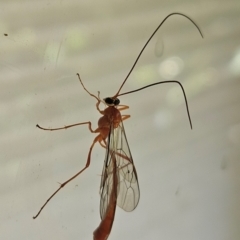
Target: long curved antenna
139,55
169,81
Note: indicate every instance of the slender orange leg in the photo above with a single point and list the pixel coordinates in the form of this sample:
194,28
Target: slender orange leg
98,100
125,117
104,146
69,126
98,138
122,107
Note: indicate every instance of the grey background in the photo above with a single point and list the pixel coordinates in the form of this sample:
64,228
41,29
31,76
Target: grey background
189,180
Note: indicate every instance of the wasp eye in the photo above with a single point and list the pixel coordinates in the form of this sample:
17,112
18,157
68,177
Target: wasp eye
116,101
108,101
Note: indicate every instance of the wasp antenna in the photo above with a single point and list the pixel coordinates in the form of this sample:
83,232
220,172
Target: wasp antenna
157,83
139,55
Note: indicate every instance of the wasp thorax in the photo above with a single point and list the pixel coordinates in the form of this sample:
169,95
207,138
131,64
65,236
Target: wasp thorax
111,102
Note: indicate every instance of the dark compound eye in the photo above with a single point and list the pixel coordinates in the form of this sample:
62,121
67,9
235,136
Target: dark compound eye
108,101
116,101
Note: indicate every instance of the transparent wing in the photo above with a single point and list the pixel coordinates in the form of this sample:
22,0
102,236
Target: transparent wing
127,188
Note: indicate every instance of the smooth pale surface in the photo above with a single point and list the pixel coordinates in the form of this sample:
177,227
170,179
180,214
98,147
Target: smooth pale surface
189,180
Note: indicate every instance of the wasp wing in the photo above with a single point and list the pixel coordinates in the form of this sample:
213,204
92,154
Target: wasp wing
128,194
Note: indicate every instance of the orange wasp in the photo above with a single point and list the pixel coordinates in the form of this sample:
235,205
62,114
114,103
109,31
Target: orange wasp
119,182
